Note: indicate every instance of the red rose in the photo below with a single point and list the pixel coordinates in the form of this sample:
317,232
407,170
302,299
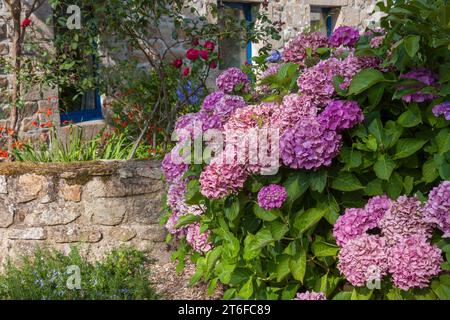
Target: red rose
195,42
192,54
209,45
204,54
177,63
213,64
26,23
186,71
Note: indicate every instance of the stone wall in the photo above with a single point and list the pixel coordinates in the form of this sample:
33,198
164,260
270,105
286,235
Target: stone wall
96,206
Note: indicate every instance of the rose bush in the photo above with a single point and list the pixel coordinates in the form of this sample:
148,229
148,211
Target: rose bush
359,208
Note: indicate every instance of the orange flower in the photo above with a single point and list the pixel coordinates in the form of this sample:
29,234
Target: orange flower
35,124
49,112
10,131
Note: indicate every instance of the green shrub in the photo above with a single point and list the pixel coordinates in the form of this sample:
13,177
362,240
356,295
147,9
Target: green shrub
122,275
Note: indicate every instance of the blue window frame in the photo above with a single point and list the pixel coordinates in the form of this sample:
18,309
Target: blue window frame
246,11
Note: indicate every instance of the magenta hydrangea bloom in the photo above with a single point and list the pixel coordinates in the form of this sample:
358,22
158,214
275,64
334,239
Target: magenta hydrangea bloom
211,100
193,125
357,221
227,105
308,145
295,50
197,240
230,79
310,295
442,109
173,170
376,207
344,36
341,114
181,209
272,196
437,208
220,178
352,224
413,262
404,218
362,258
426,77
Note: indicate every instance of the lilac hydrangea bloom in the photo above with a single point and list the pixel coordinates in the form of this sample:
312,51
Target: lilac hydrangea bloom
437,208
192,125
198,241
173,170
272,196
344,36
308,145
375,42
376,207
310,295
403,219
295,50
426,77
341,114
211,100
442,109
361,258
228,80
176,193
181,209
413,262
294,108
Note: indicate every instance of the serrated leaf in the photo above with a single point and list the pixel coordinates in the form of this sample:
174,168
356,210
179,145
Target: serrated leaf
346,182
187,219
278,229
323,249
266,215
364,80
297,265
411,43
304,221
318,180
406,147
384,167
282,267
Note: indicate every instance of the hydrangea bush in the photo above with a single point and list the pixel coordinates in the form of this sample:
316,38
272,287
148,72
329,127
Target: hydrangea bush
359,205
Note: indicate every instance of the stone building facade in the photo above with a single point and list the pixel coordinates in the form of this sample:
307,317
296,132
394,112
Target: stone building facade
297,15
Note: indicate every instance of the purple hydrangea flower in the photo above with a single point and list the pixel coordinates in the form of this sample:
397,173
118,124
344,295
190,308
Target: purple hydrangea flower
376,208
173,170
413,262
403,219
341,114
426,77
272,196
211,100
362,258
228,80
375,42
308,145
294,108
442,109
344,36
437,208
310,295
176,193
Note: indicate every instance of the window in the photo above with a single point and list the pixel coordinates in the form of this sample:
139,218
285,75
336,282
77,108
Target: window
323,19
76,107
233,53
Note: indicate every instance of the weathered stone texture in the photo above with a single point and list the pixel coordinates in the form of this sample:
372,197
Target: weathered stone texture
96,206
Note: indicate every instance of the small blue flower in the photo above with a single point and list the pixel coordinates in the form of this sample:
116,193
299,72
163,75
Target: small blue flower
274,57
187,92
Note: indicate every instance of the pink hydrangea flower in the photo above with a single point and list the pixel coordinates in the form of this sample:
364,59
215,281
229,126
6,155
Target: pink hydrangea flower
176,192
413,262
425,77
404,218
229,80
308,145
210,101
341,114
376,208
294,108
375,42
272,196
363,259
437,208
197,240
310,295
344,36
181,209
220,178
295,50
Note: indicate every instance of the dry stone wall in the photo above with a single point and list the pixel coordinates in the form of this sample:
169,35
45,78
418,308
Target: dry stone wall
96,206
